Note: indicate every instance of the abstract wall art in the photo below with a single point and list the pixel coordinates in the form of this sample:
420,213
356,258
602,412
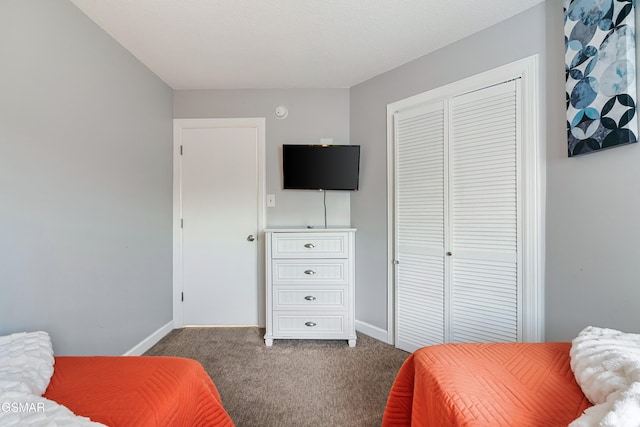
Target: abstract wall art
600,67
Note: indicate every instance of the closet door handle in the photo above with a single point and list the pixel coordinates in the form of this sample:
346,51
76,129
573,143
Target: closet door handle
310,298
310,324
309,245
449,253
309,272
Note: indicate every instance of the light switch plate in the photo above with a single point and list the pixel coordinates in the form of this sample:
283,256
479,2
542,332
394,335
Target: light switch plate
271,200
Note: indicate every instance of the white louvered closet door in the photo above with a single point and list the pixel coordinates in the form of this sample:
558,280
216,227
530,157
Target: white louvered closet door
420,226
484,215
457,219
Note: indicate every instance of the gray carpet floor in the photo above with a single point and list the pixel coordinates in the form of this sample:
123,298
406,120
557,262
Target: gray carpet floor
295,383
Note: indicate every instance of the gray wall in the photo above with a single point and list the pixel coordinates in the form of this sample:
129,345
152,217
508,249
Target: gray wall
313,114
592,202
85,181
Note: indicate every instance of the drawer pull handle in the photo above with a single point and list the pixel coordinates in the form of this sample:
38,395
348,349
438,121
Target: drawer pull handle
310,298
310,324
309,245
309,272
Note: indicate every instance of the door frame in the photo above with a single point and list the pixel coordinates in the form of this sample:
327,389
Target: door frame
533,187
178,126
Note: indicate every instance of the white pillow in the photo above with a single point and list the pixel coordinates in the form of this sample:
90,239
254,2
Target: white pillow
26,362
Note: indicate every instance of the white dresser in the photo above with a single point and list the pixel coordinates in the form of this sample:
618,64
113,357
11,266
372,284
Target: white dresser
310,284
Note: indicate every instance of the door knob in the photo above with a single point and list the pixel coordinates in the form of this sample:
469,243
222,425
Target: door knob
449,254
250,238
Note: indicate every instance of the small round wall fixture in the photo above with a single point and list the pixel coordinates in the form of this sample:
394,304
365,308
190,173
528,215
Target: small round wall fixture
281,112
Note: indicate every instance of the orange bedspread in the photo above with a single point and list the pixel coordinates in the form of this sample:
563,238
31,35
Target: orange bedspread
138,391
514,384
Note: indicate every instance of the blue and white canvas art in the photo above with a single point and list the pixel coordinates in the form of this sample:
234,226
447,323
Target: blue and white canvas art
600,67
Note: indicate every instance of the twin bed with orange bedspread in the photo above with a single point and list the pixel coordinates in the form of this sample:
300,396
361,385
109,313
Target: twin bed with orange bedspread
515,384
38,389
138,391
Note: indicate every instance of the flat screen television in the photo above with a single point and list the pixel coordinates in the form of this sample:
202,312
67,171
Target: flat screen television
320,167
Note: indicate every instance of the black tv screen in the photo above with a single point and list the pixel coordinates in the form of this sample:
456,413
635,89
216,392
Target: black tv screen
321,167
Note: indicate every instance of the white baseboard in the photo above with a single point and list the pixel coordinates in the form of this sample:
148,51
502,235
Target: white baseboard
372,331
150,341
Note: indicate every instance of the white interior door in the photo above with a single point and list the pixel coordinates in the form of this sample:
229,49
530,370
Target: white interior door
220,192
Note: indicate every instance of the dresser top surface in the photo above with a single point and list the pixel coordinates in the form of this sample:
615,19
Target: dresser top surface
307,230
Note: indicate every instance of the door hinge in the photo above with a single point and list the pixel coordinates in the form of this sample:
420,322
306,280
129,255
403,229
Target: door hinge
182,296
181,150
181,222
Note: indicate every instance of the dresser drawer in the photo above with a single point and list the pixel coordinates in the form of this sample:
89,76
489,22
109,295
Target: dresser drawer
307,324
316,271
309,299
310,245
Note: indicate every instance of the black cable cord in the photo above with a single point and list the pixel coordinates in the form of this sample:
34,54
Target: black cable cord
325,208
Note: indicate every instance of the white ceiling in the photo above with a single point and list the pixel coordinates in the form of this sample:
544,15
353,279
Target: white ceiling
233,44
